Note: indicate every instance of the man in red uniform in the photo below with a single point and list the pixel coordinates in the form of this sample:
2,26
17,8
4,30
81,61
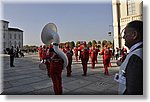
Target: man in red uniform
55,71
43,53
49,53
79,49
97,50
93,57
40,52
84,58
123,54
76,53
106,58
68,51
110,54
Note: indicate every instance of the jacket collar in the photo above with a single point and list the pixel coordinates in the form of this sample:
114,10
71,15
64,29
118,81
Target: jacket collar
135,46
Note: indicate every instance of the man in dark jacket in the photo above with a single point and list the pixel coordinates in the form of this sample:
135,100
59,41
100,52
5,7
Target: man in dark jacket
132,67
12,55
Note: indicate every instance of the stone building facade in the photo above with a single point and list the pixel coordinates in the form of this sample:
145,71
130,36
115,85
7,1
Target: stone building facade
10,36
125,11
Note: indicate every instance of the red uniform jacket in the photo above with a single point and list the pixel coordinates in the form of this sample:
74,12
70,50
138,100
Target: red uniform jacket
55,64
44,54
93,54
40,52
76,51
106,55
85,54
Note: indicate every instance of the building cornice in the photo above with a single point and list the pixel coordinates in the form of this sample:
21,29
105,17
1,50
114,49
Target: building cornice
15,29
4,21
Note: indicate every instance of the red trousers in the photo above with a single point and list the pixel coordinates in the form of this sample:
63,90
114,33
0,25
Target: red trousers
96,61
57,83
76,58
106,69
55,74
93,62
40,56
106,63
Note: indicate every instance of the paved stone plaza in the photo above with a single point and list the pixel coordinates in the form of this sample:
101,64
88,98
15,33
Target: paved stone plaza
26,78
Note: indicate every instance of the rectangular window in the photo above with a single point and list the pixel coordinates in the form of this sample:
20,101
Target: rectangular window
131,7
4,44
15,44
19,36
14,36
10,36
4,35
10,44
19,44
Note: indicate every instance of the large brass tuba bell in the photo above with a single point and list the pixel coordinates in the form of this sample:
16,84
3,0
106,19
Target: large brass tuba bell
49,34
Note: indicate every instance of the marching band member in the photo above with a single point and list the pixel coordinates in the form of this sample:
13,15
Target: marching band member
76,53
68,51
40,52
93,57
57,59
55,70
106,58
84,58
97,50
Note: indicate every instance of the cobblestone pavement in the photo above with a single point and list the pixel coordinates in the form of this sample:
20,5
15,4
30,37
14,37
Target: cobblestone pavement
26,78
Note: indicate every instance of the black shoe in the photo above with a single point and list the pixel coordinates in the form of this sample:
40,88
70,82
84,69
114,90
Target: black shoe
12,66
69,75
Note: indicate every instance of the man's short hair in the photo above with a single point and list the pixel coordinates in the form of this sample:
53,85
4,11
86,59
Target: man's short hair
137,25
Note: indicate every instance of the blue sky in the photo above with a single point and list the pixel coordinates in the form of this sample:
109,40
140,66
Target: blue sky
75,21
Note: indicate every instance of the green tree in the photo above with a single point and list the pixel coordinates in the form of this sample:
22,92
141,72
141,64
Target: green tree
26,47
103,43
94,42
29,48
77,43
110,44
89,44
99,44
67,42
72,44
61,45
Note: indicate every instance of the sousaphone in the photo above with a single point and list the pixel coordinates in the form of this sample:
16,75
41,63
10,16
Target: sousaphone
49,35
